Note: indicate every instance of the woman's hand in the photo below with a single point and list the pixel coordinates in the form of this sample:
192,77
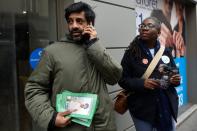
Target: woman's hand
151,84
175,79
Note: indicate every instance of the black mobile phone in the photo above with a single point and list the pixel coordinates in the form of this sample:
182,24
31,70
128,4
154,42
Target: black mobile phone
85,37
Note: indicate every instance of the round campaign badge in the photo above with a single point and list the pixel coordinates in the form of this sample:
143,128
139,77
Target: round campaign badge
145,61
165,59
35,57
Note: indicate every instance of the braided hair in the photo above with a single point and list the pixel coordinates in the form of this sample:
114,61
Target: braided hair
134,48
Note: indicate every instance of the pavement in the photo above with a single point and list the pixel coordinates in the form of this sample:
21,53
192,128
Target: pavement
187,121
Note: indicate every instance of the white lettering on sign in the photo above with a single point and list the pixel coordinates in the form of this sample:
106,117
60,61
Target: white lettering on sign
180,99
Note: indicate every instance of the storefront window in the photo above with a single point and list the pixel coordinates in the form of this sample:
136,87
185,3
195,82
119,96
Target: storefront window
25,25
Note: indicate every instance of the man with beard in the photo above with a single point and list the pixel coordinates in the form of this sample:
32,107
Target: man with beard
78,63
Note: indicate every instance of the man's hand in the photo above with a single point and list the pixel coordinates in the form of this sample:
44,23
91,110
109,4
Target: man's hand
91,31
62,120
151,84
175,79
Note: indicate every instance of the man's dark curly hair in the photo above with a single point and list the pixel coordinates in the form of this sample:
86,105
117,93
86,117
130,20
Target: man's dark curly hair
79,7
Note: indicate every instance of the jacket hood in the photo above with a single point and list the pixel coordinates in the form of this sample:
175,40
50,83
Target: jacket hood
67,39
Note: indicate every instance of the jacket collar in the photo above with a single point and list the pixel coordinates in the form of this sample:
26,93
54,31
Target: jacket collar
146,50
67,39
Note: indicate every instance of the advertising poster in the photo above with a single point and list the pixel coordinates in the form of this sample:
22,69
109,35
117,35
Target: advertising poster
171,13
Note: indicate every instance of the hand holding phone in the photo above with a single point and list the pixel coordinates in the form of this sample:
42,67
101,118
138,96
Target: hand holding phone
89,32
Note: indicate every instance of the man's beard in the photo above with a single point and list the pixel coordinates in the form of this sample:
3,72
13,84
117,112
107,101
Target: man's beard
78,37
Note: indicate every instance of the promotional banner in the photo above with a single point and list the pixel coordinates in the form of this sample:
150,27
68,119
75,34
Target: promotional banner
171,14
182,89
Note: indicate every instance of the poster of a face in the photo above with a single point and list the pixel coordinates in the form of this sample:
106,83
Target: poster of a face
81,105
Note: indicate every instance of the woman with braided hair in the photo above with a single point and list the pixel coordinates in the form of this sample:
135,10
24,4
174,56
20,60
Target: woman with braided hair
151,106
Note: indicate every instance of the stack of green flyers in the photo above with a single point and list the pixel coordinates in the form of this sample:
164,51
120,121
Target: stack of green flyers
85,105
